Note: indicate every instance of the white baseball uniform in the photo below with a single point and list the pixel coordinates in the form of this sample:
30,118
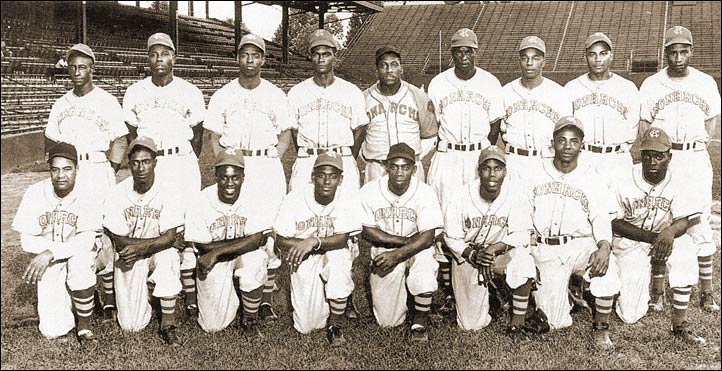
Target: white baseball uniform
571,212
469,219
146,215
464,109
324,119
652,207
530,115
609,110
67,227
251,120
416,211
210,220
405,117
320,277
680,108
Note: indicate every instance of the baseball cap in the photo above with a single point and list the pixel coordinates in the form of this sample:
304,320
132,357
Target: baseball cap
533,42
655,139
464,37
677,35
597,37
329,158
401,150
82,49
568,121
387,49
160,39
143,142
321,37
230,156
492,152
63,149
253,40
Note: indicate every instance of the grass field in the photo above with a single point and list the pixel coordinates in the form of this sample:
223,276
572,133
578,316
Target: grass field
647,344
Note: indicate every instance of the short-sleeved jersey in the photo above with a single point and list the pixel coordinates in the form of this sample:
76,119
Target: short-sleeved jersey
405,117
465,108
165,114
325,117
470,218
530,114
148,215
90,123
680,106
609,109
653,207
210,220
417,210
300,216
574,204
42,213
248,119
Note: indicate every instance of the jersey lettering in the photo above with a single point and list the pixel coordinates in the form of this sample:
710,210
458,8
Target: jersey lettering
57,217
485,221
651,203
138,211
162,103
394,212
393,108
84,113
323,104
464,96
323,221
603,99
681,96
228,227
565,190
533,105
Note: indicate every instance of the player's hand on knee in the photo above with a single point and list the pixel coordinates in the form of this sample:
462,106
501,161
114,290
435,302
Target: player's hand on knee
486,256
486,273
206,262
662,245
132,253
599,260
386,261
298,253
36,269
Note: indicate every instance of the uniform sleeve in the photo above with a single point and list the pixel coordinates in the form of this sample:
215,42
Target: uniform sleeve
348,216
428,215
645,101
285,223
26,218
173,213
52,130
215,117
600,212
197,105
454,227
281,115
90,218
196,229
116,118
565,103
359,117
367,206
427,119
685,204
129,99
433,99
634,100
113,217
519,223
260,218
496,110
293,108
713,98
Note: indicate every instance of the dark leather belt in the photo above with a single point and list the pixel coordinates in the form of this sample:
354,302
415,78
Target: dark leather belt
685,146
559,240
465,147
524,152
602,149
318,151
257,152
168,151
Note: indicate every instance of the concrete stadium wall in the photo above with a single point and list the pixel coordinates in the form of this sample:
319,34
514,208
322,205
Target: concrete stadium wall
21,150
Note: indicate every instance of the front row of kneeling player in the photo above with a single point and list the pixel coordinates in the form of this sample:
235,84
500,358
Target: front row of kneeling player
560,222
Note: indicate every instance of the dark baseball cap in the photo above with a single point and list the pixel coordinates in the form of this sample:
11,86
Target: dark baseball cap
63,149
144,142
401,150
492,152
230,156
569,121
387,49
329,158
655,139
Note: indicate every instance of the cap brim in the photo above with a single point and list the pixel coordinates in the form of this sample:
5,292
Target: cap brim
465,43
494,157
263,49
654,147
589,44
533,47
71,51
162,43
677,40
321,43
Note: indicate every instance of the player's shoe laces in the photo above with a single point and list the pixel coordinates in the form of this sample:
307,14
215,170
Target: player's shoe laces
109,314
86,338
657,302
419,334
334,335
706,301
169,336
600,333
684,333
266,312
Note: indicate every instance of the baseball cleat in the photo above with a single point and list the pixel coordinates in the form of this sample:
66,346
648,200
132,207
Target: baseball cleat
250,328
192,311
419,335
86,337
602,341
517,334
62,339
109,314
266,312
706,301
169,336
334,335
684,333
657,302
351,311
448,309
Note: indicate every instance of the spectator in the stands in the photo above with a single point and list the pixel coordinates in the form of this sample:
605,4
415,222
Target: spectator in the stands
61,66
6,53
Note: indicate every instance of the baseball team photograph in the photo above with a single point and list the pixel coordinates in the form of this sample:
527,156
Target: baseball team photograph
360,185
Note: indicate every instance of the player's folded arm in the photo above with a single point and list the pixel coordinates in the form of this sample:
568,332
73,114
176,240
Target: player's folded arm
418,242
153,245
379,238
628,230
230,249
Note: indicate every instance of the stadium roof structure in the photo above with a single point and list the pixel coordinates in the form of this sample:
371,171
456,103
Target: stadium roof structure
331,6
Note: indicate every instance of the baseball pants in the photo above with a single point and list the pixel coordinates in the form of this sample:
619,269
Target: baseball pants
556,264
218,301
319,278
55,305
635,269
472,299
375,170
611,166
303,167
131,286
388,291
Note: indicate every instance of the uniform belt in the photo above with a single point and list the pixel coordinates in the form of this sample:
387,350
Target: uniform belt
686,146
168,151
523,152
93,156
257,152
558,240
343,151
602,149
465,147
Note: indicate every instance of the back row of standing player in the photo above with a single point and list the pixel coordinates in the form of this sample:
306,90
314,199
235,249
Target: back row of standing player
326,113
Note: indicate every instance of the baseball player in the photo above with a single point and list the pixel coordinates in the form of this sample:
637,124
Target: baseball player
400,219
141,218
168,109
92,121
572,221
685,103
251,114
608,106
398,112
326,113
468,106
227,225
654,212
59,225
533,104
313,227
487,227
